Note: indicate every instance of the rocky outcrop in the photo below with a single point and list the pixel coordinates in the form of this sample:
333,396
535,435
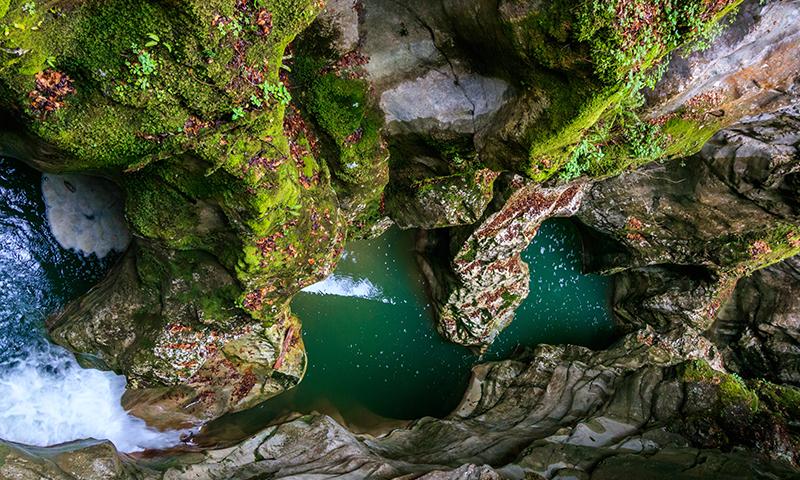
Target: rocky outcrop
686,230
345,123
749,69
683,230
442,201
554,412
230,206
479,279
730,242
665,297
730,209
434,102
758,329
171,320
86,460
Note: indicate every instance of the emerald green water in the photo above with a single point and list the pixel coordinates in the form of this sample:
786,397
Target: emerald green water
368,329
372,347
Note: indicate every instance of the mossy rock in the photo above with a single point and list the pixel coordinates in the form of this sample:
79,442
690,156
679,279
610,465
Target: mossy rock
722,410
579,66
731,389
339,102
182,104
440,202
178,102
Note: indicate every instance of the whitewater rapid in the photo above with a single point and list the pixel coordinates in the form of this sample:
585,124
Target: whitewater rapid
46,399
346,286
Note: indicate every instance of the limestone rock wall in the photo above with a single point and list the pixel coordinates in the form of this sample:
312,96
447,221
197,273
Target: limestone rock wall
476,293
758,329
554,412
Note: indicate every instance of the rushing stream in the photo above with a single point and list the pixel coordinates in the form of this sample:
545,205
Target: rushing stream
372,347
46,398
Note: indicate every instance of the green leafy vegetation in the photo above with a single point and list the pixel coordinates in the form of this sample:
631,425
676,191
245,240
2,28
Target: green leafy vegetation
143,68
642,141
618,141
626,38
237,113
587,61
585,153
278,91
29,8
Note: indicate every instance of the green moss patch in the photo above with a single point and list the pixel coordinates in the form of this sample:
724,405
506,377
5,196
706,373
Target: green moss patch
731,388
587,61
183,103
346,122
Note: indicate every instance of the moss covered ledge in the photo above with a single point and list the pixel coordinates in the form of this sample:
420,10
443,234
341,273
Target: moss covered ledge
585,64
183,105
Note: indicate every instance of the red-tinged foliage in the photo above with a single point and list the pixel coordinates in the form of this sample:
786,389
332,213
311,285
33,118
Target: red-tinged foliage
264,21
52,87
759,247
193,125
354,137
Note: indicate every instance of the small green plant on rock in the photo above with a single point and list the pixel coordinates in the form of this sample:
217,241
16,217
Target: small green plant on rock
29,8
643,142
237,113
154,40
585,153
278,91
143,68
233,27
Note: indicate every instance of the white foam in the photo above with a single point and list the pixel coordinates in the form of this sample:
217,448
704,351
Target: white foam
47,399
344,286
85,214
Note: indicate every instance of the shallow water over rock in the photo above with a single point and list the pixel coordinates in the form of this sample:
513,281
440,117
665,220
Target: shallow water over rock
85,214
46,398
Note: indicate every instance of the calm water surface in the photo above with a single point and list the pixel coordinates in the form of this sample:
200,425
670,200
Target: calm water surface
372,347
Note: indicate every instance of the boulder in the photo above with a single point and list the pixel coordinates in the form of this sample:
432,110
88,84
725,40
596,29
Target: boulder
758,329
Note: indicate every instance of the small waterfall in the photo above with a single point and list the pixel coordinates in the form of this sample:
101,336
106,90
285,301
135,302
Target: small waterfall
46,398
345,286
